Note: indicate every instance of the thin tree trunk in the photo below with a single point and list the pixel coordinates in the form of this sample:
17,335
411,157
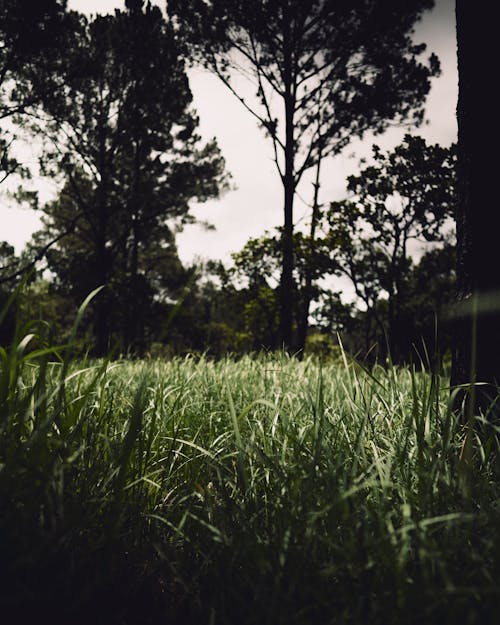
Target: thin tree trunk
134,329
103,269
101,323
287,286
287,282
307,294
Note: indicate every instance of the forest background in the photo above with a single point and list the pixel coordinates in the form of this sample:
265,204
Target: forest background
346,280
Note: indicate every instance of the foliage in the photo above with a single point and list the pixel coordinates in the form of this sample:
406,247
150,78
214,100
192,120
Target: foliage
334,316
293,49
337,69
401,205
323,346
31,33
8,261
257,267
121,136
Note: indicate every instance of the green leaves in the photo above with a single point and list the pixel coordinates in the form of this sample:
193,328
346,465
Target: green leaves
401,207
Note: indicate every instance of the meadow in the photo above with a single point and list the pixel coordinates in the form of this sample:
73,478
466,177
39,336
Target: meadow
259,490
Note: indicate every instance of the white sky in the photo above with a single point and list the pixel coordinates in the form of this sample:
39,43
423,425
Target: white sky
256,204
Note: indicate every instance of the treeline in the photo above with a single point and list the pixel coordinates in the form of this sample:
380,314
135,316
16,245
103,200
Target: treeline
108,101
393,248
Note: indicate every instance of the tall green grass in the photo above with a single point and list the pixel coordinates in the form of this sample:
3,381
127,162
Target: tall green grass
264,490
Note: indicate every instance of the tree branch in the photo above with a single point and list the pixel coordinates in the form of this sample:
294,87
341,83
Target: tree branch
38,256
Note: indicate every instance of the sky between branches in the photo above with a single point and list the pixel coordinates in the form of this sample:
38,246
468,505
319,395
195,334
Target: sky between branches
256,203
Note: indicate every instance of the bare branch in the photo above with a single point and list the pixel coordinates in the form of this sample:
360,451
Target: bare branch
38,256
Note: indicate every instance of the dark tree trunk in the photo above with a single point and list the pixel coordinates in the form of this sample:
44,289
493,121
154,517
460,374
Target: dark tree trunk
102,310
134,337
476,350
134,331
390,332
286,287
101,323
287,282
303,325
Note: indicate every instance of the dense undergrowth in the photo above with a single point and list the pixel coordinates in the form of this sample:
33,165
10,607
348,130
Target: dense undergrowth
263,490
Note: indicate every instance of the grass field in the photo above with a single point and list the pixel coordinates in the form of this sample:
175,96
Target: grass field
264,490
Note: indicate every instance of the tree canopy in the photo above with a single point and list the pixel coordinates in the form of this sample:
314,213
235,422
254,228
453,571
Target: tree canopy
400,205
31,35
121,136
109,99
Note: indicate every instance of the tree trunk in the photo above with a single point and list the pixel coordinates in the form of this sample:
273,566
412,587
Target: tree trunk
103,270
307,296
134,338
287,283
476,351
287,286
101,323
134,330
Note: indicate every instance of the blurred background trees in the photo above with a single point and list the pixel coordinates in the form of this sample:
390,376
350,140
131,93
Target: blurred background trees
31,35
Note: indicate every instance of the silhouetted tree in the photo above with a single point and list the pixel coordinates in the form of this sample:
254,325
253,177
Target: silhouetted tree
8,260
477,336
256,270
338,69
31,35
432,287
122,137
335,316
406,198
258,266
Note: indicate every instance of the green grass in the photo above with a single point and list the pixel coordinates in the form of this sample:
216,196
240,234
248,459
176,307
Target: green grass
264,490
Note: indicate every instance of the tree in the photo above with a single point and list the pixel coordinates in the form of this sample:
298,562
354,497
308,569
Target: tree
256,272
121,136
209,317
335,317
337,69
257,266
431,298
477,335
405,200
425,320
31,35
7,317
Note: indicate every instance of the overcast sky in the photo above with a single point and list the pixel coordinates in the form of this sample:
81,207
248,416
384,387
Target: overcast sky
256,203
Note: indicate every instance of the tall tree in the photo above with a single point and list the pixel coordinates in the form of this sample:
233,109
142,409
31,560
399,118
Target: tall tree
336,68
477,336
121,135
